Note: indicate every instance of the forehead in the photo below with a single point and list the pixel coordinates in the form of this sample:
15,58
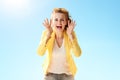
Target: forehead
59,15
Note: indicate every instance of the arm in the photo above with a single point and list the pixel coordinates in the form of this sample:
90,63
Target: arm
72,39
43,43
74,45
45,37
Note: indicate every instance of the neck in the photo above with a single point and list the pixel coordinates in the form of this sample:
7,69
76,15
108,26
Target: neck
59,35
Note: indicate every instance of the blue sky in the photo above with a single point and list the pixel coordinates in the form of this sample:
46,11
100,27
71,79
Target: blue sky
98,30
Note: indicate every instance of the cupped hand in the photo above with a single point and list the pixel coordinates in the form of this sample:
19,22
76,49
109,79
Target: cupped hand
47,25
71,26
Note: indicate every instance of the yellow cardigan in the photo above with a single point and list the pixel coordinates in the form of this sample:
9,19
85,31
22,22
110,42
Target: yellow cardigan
69,46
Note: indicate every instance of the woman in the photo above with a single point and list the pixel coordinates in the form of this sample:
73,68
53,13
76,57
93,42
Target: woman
60,41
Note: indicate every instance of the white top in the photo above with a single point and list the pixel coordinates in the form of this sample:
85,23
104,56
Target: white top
58,63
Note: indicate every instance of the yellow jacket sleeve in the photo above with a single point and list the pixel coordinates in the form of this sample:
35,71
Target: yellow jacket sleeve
42,46
75,46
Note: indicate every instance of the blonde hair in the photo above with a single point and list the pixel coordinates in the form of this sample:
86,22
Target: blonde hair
61,10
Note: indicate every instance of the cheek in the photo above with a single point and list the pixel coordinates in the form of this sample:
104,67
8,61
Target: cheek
64,23
54,23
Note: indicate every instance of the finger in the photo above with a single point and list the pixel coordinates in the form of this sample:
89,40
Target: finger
74,24
47,21
68,22
72,21
50,22
44,24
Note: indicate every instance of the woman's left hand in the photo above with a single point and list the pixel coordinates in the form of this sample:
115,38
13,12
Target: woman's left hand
71,26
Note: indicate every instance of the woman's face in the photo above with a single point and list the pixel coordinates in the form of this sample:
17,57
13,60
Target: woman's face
59,21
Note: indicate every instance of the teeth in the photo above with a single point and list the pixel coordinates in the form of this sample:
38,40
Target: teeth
59,26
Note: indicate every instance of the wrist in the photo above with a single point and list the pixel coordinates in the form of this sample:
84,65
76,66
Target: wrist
49,30
70,36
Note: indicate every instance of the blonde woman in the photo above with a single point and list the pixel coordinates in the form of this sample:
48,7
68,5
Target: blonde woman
59,42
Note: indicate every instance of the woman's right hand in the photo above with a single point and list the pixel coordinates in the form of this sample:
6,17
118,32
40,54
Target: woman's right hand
47,25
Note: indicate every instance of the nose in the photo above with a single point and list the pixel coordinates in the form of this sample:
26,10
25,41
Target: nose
59,22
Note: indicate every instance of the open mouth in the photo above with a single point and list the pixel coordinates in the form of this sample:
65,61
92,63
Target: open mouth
59,27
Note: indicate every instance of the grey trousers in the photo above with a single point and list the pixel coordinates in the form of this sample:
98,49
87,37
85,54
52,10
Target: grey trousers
52,76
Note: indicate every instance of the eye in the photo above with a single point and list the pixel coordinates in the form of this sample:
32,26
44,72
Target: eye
62,19
56,19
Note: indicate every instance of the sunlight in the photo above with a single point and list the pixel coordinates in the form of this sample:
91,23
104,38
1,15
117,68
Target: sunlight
16,7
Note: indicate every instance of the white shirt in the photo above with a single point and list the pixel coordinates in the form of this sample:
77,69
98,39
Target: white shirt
58,63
